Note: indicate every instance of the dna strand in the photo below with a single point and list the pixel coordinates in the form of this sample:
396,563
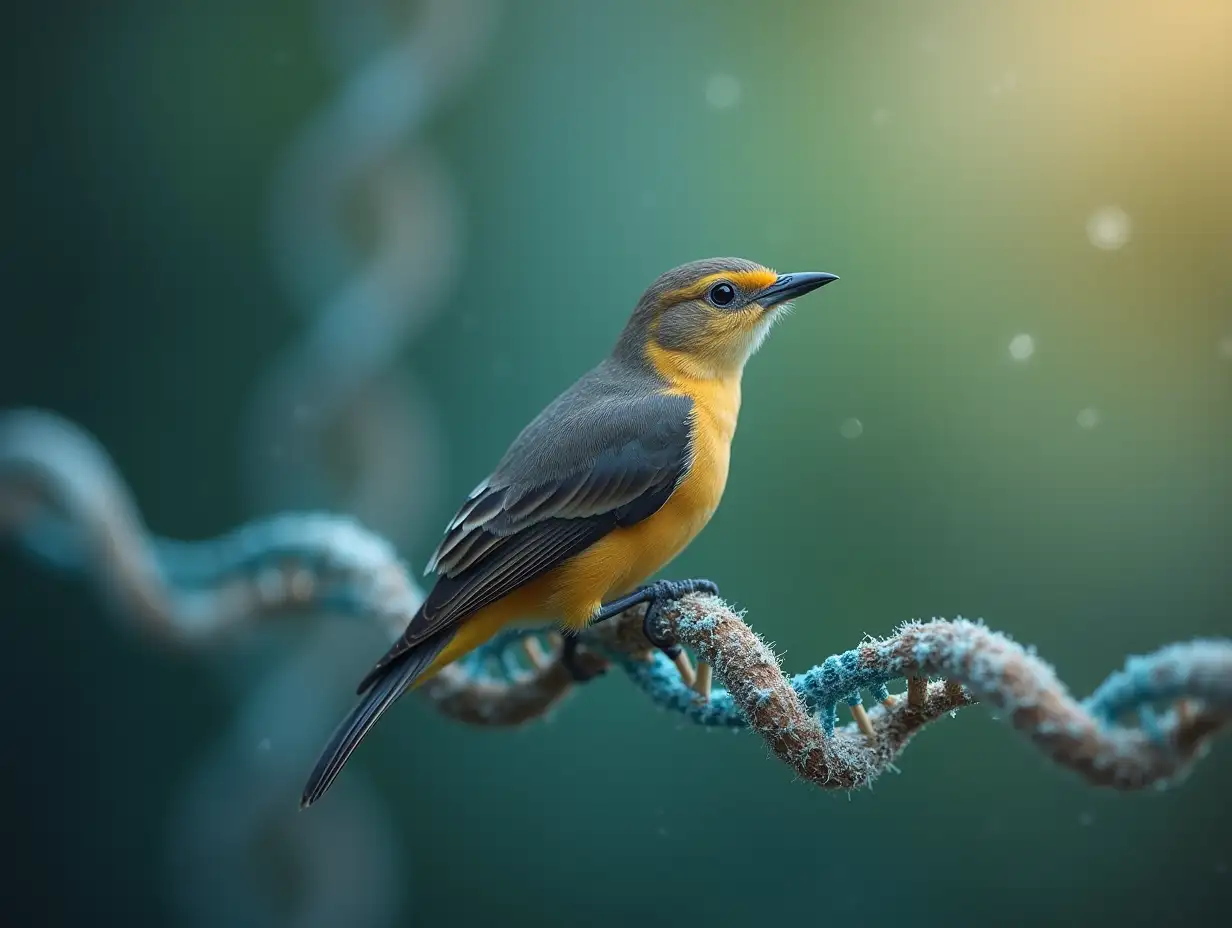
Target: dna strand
60,493
237,837
339,386
240,854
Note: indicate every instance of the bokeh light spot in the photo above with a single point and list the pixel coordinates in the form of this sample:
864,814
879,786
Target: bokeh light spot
723,91
851,428
1022,347
1088,418
1225,347
1109,227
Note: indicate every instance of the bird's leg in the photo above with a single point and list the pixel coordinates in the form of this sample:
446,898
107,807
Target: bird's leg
570,659
657,593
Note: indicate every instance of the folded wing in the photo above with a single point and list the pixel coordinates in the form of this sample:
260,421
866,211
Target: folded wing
602,456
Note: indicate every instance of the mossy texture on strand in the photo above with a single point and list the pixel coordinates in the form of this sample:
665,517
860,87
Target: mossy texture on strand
1145,725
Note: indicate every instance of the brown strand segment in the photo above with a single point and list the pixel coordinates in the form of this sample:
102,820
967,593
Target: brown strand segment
977,664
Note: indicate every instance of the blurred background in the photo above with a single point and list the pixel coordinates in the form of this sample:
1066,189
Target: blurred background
293,255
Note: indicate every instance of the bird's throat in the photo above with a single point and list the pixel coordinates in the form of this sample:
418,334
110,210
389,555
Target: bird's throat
715,390
681,366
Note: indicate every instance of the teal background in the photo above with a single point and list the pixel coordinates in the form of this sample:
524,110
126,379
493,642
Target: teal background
942,157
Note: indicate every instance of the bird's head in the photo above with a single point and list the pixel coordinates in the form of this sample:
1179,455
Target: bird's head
707,318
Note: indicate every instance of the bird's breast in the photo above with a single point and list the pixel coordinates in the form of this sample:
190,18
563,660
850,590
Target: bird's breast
715,408
627,557
658,539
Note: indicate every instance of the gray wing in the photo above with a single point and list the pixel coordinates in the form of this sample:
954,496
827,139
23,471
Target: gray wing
605,454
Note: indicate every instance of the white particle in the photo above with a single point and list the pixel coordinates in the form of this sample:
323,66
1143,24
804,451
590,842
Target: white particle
723,91
1088,418
1086,819
300,584
881,116
851,428
1022,347
1108,228
264,745
1225,347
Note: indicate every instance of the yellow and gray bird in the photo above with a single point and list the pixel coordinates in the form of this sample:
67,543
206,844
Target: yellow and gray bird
608,483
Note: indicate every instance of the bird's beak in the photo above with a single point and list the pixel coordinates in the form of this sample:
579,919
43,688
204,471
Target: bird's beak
790,286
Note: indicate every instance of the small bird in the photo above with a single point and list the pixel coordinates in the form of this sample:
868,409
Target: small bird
604,487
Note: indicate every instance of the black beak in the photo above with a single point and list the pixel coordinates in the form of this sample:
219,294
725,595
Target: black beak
790,286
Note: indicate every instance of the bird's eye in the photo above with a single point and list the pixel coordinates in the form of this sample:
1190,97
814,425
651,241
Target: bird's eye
722,294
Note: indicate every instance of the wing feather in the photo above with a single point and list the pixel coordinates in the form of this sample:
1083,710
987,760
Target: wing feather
484,511
557,491
472,549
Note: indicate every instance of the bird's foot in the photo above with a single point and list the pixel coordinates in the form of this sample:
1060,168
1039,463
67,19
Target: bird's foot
657,594
582,666
660,593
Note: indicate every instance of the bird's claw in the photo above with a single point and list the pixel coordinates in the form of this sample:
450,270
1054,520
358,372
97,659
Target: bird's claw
666,591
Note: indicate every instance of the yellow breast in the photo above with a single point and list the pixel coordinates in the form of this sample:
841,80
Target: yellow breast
627,557
716,405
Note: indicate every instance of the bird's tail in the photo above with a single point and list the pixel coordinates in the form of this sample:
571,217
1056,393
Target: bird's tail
392,682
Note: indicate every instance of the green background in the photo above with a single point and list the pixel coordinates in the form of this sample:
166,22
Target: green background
942,157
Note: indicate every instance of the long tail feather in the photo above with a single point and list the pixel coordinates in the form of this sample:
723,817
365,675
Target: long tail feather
394,680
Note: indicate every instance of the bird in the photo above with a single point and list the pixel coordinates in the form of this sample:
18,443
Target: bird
612,480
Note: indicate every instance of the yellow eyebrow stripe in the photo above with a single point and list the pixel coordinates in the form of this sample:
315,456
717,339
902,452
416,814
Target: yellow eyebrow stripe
748,281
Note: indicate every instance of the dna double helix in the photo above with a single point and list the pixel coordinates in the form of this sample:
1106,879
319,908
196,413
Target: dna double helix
339,386
240,854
